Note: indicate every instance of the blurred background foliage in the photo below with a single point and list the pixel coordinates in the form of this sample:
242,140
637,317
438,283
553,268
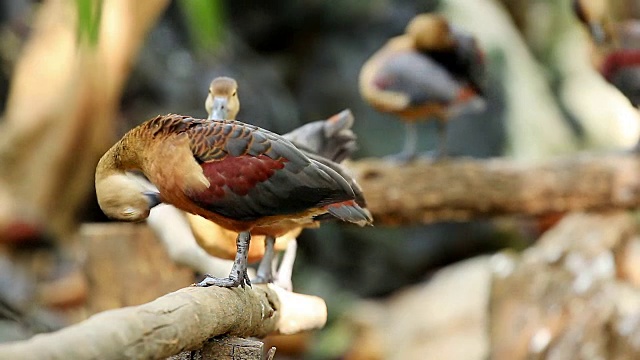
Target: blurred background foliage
298,61
89,16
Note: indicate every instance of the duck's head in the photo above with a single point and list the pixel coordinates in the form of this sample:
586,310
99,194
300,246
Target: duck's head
222,102
123,198
430,32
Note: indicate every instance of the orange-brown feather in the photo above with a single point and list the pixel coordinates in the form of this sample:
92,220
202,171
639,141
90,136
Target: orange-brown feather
385,101
221,242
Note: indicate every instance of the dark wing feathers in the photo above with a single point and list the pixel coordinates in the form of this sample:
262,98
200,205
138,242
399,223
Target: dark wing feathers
332,138
352,211
357,190
256,173
470,62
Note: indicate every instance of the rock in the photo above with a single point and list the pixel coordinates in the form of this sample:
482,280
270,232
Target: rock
444,318
559,299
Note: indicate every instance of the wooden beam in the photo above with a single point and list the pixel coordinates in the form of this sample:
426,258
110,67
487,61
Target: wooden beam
462,189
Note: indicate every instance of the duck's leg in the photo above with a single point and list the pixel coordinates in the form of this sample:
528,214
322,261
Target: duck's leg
441,151
283,277
265,269
410,149
238,275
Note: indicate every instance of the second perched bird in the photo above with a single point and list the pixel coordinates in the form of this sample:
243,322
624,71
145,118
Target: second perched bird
617,44
428,72
330,139
222,102
242,177
594,14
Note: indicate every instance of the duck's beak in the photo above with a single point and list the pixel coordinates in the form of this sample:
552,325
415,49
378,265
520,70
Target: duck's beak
153,198
219,110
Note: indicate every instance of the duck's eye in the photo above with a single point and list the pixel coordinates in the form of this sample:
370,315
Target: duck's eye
234,93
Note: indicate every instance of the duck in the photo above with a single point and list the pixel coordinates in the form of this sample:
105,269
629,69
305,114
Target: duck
616,44
432,71
594,14
330,139
244,178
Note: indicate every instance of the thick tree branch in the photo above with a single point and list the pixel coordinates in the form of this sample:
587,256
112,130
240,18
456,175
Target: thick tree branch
463,189
182,320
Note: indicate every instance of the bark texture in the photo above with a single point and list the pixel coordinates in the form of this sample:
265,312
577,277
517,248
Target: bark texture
463,189
179,321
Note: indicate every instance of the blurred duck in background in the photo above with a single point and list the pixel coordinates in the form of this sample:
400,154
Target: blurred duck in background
432,71
617,45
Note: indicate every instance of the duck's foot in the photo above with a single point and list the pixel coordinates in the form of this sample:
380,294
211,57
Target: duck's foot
263,279
433,156
401,157
238,275
228,282
283,279
265,269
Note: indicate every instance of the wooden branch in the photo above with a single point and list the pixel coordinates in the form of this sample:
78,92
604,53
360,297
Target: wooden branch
463,189
182,320
228,348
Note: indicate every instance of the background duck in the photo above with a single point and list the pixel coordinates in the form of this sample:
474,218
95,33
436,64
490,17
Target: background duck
429,72
616,44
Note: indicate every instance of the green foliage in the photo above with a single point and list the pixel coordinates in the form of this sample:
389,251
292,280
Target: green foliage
89,16
205,21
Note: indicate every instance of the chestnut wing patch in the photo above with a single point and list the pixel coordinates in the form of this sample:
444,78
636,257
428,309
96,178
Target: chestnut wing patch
239,174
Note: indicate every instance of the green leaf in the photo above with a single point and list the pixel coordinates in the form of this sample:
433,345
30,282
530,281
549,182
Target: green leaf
89,15
205,22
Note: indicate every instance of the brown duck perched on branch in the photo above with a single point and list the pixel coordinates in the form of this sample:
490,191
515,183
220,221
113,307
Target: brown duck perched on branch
330,139
244,178
430,71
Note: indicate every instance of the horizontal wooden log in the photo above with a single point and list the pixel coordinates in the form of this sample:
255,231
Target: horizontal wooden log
462,189
182,320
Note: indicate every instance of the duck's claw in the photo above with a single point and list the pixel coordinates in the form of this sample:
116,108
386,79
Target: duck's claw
228,282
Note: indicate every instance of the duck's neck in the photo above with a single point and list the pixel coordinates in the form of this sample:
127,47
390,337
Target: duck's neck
125,155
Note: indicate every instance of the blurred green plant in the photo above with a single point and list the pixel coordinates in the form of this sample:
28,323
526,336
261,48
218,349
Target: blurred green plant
89,16
205,23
